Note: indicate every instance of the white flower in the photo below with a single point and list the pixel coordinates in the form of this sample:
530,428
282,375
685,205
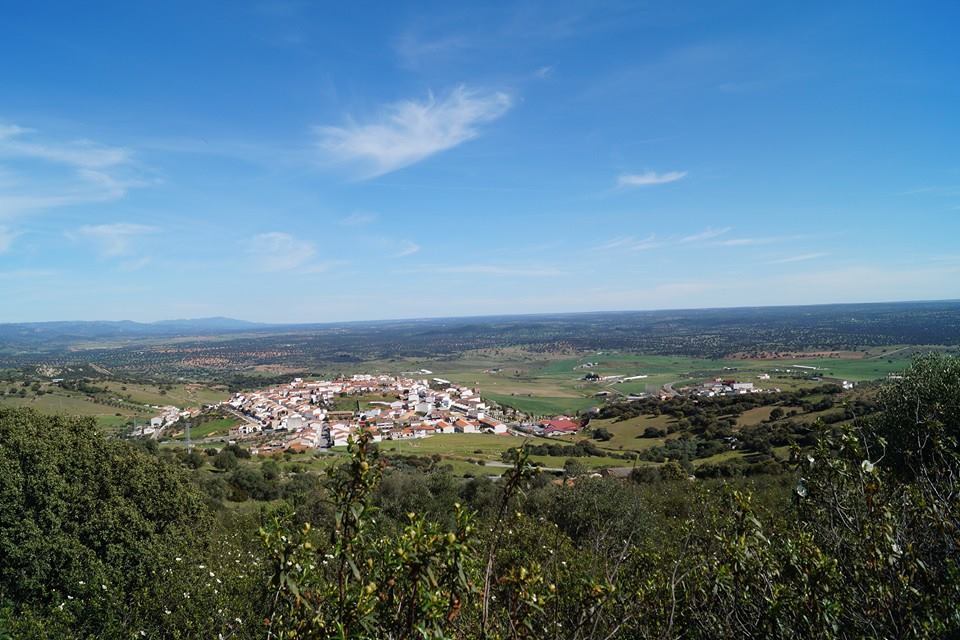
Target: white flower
867,466
166,611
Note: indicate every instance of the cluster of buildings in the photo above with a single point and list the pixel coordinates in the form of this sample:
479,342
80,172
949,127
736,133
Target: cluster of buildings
303,414
615,379
166,417
551,427
721,387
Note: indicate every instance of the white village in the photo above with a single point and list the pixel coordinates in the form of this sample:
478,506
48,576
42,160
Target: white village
302,414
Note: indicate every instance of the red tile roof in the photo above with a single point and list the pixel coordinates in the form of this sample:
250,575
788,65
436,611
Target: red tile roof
560,425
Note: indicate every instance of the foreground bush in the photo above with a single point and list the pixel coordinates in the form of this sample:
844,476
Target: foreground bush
101,540
866,549
858,539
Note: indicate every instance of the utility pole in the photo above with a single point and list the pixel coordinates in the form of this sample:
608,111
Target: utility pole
187,429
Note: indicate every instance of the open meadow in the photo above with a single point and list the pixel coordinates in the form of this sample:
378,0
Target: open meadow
112,403
545,385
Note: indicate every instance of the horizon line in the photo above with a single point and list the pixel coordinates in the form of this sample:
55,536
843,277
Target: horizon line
268,324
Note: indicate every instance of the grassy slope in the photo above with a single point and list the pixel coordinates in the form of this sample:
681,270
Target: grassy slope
135,399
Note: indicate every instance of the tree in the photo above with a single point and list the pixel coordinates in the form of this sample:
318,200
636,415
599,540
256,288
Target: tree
226,460
602,434
98,538
270,470
673,471
352,585
195,459
573,468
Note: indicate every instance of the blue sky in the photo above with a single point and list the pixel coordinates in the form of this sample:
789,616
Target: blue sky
299,161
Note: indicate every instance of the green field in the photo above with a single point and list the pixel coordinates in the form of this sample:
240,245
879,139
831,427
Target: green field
180,395
627,434
544,405
349,403
539,385
469,448
210,428
120,403
74,404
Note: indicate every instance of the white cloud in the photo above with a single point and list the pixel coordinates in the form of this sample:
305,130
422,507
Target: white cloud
112,239
359,219
706,234
278,251
407,248
62,173
649,178
410,131
799,258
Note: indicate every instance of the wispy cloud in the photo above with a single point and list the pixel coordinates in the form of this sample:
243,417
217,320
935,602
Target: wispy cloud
407,248
94,172
136,264
752,242
649,178
358,219
279,251
501,270
942,190
413,49
652,241
544,72
631,243
7,236
81,153
707,234
25,274
799,258
112,240
410,131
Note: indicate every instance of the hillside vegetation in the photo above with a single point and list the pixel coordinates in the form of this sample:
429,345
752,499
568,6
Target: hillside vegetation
857,537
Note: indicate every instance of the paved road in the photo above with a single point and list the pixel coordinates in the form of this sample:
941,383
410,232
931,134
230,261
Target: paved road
242,416
889,353
506,465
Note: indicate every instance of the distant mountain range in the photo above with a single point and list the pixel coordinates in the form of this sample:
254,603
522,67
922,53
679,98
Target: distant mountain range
932,322
99,329
170,345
